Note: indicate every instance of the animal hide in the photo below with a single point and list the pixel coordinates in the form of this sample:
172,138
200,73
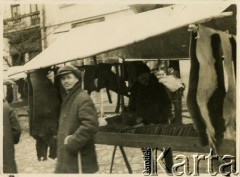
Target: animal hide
44,110
207,97
229,109
105,79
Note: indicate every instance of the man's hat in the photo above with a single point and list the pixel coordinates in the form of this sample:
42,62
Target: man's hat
68,69
142,68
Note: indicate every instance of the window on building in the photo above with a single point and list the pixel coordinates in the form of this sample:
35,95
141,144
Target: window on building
35,19
17,21
33,54
74,25
33,8
18,59
15,9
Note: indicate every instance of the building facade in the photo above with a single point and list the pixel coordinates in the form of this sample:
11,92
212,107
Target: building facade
22,28
31,28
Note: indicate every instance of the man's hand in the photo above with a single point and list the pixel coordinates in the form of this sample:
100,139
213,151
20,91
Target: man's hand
139,120
66,139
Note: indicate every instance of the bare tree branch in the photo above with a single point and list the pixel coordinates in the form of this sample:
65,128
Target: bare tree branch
6,60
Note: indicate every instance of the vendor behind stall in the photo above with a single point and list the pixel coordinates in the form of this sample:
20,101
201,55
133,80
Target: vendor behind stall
149,100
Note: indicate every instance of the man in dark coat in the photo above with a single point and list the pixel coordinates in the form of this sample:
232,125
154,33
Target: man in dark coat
150,103
11,135
77,126
149,98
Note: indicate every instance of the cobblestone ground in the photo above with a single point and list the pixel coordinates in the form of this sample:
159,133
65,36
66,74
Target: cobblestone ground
26,159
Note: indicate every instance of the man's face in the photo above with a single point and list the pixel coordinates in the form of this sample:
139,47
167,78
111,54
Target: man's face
144,78
68,81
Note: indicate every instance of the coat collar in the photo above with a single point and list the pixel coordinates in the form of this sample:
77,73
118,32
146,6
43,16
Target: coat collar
75,90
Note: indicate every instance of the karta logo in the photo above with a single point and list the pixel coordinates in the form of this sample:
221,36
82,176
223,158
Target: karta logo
153,162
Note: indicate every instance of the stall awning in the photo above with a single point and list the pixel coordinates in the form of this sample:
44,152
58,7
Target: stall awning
10,73
110,35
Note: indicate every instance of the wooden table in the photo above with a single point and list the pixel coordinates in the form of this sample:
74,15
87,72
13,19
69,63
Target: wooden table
176,143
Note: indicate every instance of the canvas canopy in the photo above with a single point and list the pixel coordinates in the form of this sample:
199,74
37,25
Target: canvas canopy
8,75
123,37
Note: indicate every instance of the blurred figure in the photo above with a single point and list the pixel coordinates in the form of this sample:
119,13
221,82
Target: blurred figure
11,136
9,96
149,99
150,103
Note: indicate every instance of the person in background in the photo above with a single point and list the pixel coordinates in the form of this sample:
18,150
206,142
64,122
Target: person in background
149,99
78,124
150,103
11,136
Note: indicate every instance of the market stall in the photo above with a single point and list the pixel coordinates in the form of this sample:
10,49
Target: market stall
148,35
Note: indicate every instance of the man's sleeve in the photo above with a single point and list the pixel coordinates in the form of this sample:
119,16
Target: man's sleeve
88,127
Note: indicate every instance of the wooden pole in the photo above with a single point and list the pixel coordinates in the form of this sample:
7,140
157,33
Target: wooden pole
119,85
101,103
79,163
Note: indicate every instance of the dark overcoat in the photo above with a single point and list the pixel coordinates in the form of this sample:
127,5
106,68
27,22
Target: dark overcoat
78,118
11,135
151,102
